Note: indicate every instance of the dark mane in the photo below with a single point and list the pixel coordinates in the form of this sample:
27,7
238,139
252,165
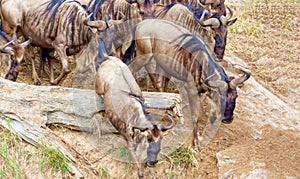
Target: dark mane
169,7
53,4
192,46
94,8
197,11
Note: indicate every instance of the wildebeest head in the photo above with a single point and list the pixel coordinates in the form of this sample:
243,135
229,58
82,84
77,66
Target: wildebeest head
146,7
152,137
153,132
100,46
225,94
11,56
219,24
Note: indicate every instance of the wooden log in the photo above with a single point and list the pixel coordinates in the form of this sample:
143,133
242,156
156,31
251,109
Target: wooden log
27,109
71,107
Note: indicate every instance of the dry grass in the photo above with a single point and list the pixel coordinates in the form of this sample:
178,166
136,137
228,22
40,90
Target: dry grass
20,160
10,152
266,35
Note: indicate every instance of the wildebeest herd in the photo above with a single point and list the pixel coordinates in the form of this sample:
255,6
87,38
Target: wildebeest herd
115,38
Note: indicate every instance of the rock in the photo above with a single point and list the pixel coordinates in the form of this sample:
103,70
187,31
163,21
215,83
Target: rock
230,168
256,173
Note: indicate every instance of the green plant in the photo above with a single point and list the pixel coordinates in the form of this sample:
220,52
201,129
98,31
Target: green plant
184,155
103,172
171,174
53,158
124,154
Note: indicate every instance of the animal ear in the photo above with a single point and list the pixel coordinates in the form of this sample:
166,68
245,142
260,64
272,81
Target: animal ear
229,23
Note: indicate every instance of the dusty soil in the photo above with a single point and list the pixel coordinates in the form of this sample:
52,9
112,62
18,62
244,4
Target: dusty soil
266,36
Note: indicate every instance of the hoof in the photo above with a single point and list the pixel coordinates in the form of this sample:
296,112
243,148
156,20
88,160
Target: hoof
67,70
53,82
227,121
37,82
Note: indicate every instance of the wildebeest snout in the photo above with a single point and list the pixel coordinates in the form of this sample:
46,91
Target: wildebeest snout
151,163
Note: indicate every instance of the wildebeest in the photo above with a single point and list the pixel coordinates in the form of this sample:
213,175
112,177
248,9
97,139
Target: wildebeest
182,15
11,55
113,8
185,57
146,7
56,24
123,100
130,8
211,29
215,6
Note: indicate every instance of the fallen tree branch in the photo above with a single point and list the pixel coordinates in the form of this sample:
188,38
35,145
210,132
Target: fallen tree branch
69,107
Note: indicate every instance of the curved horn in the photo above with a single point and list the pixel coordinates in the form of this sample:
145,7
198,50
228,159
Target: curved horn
224,19
6,49
99,24
123,15
238,81
166,127
26,43
213,22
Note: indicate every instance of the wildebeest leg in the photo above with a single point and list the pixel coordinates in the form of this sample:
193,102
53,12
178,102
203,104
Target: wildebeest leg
132,151
212,125
44,56
165,82
155,79
50,65
158,78
139,62
35,76
61,50
162,78
194,104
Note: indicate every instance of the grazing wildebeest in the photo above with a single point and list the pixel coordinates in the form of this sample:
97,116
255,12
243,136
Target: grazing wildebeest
55,24
123,100
211,30
11,55
185,57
